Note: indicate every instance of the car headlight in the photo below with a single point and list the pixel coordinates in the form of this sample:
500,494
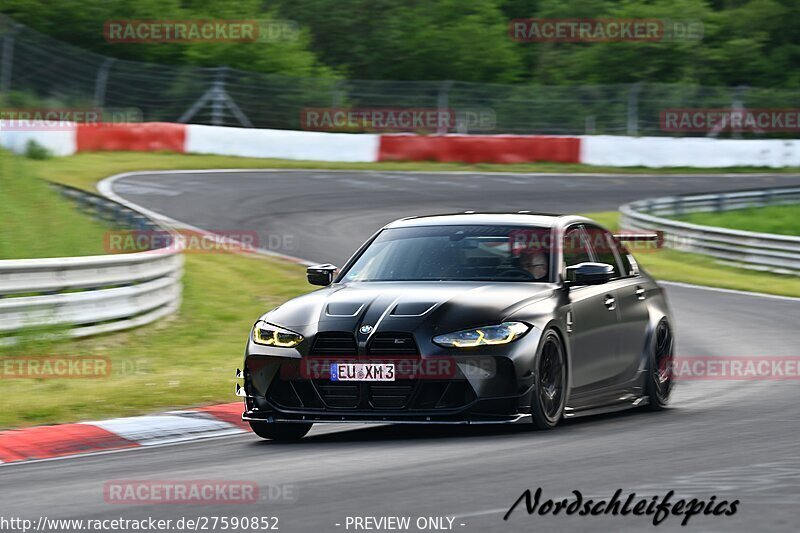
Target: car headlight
485,336
269,335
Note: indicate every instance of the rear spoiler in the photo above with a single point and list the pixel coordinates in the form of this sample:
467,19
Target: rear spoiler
634,236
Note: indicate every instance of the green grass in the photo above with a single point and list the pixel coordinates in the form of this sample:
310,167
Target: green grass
671,265
189,358
37,221
781,219
82,170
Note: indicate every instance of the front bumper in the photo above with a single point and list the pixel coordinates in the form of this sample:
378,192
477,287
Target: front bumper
275,390
259,416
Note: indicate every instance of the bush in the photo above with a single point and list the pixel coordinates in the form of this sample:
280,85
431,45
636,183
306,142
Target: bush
34,150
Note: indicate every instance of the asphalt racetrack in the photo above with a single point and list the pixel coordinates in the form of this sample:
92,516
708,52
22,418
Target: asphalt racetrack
729,439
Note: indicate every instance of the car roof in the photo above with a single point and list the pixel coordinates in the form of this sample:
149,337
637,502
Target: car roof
469,218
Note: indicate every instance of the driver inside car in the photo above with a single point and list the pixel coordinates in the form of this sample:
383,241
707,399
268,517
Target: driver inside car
535,262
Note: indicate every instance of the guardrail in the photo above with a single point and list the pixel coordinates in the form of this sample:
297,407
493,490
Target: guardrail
93,294
108,211
760,251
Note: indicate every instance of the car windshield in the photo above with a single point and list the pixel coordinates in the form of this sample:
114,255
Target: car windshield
455,253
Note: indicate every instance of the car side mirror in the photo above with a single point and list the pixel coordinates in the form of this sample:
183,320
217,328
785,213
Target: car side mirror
321,274
589,274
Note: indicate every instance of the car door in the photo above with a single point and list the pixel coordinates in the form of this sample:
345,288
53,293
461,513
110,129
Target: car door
634,312
631,294
592,320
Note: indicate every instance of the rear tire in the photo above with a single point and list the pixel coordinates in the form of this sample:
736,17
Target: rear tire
549,395
659,376
283,432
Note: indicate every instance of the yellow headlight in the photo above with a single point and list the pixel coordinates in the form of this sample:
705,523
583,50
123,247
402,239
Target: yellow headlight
485,336
270,335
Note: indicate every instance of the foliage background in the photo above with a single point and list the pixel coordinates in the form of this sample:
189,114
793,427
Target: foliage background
753,42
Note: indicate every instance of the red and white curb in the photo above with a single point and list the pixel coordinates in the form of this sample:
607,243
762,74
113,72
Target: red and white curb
602,150
48,442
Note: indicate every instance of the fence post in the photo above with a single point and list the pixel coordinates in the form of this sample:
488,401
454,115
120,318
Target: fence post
737,105
102,82
589,125
218,99
337,95
443,101
7,60
633,109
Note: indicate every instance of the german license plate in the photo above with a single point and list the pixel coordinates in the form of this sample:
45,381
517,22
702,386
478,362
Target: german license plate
362,372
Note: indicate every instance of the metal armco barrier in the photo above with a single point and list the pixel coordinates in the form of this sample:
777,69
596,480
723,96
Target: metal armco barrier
760,251
93,294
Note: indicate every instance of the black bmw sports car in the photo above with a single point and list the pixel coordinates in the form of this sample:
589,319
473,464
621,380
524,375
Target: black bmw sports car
470,318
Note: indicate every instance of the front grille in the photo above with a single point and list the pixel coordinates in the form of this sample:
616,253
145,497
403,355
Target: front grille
295,394
339,395
397,394
391,395
334,343
393,343
317,394
322,395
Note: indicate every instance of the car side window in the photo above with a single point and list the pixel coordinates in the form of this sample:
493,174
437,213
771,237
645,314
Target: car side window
629,265
604,247
575,247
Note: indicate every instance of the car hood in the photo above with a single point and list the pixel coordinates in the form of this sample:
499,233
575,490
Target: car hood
404,306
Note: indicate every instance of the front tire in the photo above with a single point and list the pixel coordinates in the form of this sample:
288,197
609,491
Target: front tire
283,432
549,396
659,378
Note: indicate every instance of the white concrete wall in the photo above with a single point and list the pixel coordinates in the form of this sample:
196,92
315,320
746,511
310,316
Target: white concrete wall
282,144
60,142
612,150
